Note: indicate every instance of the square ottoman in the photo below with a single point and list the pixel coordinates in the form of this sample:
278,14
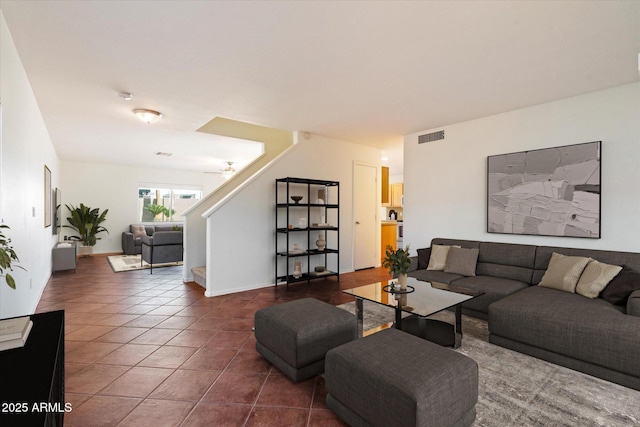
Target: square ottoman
392,378
295,336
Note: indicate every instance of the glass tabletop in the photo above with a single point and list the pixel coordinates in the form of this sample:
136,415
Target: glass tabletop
426,299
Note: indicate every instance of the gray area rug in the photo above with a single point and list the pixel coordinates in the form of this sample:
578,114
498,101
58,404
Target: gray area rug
519,390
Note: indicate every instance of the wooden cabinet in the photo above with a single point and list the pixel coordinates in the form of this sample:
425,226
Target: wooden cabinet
388,237
385,186
397,190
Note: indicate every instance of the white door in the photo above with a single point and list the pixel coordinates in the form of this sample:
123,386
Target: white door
364,214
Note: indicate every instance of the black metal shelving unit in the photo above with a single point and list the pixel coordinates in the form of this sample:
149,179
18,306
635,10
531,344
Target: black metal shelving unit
309,209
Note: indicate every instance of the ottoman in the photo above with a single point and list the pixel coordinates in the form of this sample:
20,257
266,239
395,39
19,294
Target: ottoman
392,378
295,336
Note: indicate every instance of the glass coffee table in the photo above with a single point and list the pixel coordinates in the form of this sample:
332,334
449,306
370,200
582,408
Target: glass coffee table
421,300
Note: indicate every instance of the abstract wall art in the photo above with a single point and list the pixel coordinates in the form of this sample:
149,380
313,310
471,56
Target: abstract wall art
546,192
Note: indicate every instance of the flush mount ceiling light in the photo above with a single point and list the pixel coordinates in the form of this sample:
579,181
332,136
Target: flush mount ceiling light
229,171
126,96
147,116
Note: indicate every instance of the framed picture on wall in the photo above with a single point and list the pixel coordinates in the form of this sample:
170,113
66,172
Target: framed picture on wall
47,197
547,192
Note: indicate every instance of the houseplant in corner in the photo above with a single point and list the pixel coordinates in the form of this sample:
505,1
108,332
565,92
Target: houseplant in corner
398,263
86,222
7,258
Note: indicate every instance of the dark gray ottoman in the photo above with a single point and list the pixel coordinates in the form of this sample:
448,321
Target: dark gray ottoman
296,335
392,378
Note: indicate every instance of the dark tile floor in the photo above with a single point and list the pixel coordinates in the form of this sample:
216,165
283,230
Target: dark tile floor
149,350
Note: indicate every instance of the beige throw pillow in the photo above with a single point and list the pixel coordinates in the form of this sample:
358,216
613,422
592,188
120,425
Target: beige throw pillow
138,231
438,258
563,272
595,277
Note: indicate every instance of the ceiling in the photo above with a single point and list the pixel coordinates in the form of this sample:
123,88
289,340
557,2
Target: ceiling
365,72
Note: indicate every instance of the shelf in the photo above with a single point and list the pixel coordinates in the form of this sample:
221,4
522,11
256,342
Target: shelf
309,252
288,212
305,277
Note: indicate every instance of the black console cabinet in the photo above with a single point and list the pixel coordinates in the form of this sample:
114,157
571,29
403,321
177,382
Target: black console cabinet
32,377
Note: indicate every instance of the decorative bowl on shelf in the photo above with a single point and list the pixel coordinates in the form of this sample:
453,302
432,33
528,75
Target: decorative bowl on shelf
296,199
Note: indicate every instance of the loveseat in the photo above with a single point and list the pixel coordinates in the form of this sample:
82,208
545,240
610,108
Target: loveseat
132,239
598,335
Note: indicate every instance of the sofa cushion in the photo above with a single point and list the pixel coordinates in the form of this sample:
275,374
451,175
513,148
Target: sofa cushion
543,256
590,330
461,261
138,231
563,272
618,290
494,288
595,277
434,276
506,260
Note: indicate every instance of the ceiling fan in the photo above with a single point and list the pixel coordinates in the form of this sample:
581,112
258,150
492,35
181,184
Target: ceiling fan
227,172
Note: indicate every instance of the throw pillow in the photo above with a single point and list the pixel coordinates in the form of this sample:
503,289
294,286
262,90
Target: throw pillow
438,257
618,290
423,258
595,277
462,261
138,231
563,272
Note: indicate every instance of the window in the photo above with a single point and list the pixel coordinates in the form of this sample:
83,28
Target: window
166,202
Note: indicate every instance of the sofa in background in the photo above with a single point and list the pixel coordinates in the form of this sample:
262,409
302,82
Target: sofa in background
132,239
598,336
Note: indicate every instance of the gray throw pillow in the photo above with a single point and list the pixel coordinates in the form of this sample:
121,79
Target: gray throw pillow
462,261
563,272
138,231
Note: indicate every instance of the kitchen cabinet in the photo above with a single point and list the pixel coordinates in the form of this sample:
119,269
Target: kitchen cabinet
388,237
397,190
385,186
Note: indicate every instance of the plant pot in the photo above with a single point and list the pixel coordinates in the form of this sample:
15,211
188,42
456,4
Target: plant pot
85,250
402,281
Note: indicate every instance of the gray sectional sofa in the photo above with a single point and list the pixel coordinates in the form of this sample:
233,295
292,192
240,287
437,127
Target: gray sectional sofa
132,242
591,335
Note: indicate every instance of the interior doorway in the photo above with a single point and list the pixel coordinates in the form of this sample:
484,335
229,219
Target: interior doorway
365,215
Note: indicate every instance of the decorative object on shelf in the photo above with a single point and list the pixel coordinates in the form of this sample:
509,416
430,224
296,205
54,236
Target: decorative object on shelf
322,196
86,222
398,263
14,332
295,250
296,199
8,258
297,269
302,223
321,243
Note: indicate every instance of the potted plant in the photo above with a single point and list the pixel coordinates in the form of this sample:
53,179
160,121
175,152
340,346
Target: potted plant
86,222
8,258
398,263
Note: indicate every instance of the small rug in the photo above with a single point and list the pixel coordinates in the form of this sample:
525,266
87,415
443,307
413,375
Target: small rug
519,390
120,263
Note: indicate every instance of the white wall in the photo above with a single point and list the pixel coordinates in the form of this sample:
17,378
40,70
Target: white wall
241,233
115,187
25,148
445,181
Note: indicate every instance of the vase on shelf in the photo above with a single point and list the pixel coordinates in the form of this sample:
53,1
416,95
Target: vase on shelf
321,243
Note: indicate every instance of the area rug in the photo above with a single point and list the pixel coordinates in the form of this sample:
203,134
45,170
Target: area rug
519,390
120,263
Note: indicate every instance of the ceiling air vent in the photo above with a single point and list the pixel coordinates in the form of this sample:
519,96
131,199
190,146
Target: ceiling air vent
430,137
